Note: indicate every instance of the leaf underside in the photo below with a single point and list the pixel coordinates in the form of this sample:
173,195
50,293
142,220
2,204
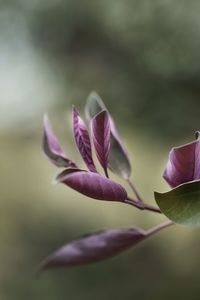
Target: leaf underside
183,164
101,137
82,139
181,204
94,247
93,185
52,147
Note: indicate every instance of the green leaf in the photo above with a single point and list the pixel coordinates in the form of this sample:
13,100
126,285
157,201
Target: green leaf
181,204
118,158
93,106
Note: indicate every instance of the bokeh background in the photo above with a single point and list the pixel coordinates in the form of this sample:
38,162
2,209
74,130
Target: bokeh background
143,58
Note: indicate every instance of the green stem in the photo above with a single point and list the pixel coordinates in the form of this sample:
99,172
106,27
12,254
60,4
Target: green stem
142,206
159,227
132,186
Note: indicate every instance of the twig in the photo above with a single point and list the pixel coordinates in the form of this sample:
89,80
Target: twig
159,227
106,172
139,198
142,205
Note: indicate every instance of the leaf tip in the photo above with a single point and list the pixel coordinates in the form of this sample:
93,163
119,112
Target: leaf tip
197,135
45,117
74,110
55,180
93,95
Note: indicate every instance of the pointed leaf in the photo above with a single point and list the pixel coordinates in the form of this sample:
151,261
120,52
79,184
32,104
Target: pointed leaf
183,164
93,106
66,172
93,185
101,137
53,149
119,161
182,204
93,248
83,140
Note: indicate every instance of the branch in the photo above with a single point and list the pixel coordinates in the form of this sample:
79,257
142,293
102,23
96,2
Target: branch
142,206
132,186
159,227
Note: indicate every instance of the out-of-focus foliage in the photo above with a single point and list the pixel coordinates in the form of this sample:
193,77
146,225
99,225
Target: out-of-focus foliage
144,54
140,53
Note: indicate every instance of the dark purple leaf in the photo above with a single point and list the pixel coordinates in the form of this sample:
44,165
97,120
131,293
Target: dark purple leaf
83,140
119,161
66,172
183,164
93,185
94,248
101,137
53,149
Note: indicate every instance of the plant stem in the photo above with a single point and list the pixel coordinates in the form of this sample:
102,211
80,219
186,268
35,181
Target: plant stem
142,205
139,198
106,172
152,208
159,227
139,203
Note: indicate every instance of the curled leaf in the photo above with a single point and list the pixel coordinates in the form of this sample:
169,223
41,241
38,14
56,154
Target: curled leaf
94,247
119,161
181,204
101,137
93,185
83,140
53,149
183,164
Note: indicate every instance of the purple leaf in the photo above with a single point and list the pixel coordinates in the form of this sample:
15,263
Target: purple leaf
101,137
94,248
183,164
119,162
93,185
83,140
53,149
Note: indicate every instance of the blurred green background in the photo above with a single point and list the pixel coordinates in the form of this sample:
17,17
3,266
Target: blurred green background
142,57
